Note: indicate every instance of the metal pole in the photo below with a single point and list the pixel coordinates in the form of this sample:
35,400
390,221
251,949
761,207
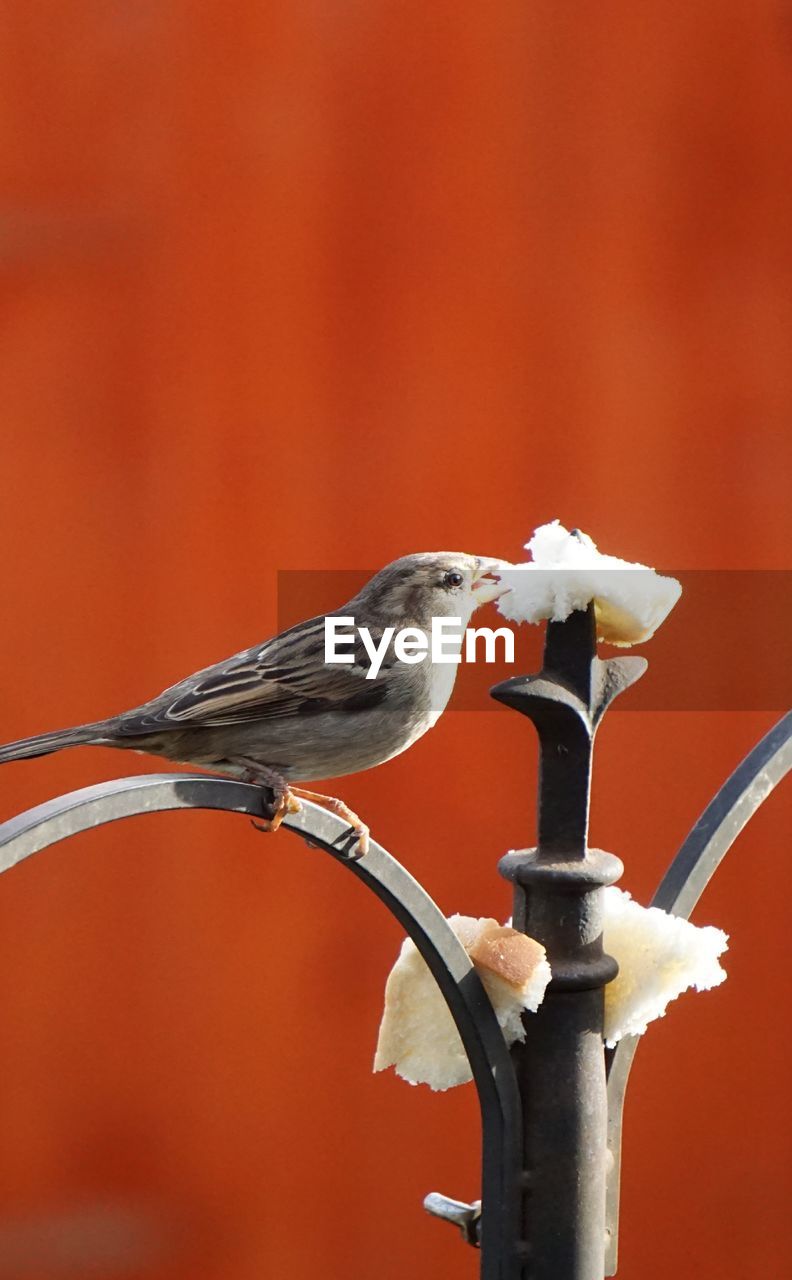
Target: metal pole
558,900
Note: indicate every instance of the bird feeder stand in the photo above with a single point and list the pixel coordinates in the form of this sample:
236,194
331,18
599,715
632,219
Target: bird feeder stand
551,1109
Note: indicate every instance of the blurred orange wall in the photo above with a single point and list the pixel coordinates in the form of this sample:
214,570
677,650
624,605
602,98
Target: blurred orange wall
311,285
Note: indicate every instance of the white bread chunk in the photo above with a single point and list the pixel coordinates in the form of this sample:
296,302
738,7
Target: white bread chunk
567,572
659,957
417,1035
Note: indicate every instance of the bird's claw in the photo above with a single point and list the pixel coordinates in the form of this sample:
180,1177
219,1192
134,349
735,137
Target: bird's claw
266,827
355,827
282,805
360,848
352,844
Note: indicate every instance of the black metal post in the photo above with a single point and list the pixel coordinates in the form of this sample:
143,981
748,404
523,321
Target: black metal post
558,900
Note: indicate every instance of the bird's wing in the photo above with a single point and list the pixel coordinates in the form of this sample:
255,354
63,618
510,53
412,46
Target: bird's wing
287,676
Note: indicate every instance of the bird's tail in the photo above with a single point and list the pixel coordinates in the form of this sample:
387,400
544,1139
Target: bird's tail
45,743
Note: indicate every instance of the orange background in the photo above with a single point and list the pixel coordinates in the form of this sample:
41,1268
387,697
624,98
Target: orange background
311,285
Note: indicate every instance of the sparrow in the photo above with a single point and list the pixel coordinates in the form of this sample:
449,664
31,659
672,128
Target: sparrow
278,713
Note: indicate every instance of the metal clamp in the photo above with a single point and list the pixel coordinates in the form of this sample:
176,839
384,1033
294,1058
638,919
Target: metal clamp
465,1216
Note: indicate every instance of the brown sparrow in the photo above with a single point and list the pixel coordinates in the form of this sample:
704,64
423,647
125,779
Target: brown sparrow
280,713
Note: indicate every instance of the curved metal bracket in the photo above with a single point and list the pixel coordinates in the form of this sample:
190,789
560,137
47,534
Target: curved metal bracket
490,1062
678,892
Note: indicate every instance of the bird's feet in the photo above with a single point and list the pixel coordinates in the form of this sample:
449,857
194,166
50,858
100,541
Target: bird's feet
357,828
284,801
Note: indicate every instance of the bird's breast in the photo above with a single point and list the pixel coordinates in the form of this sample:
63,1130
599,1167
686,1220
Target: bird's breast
440,687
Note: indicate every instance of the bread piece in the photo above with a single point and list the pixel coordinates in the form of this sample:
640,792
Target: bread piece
417,1034
659,956
567,572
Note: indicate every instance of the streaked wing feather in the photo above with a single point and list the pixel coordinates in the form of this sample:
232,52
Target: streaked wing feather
287,676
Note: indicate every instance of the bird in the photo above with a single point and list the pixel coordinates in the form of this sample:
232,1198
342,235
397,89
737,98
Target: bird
278,714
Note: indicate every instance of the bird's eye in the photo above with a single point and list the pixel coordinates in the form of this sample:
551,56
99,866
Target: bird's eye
452,579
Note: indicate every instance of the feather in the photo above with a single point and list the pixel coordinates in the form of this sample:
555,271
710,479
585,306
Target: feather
288,676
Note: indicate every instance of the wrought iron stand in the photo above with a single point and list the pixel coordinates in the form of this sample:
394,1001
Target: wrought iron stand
551,1109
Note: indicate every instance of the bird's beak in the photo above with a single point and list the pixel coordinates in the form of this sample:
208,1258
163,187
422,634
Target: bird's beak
486,584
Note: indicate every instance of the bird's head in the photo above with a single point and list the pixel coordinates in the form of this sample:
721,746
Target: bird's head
430,584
